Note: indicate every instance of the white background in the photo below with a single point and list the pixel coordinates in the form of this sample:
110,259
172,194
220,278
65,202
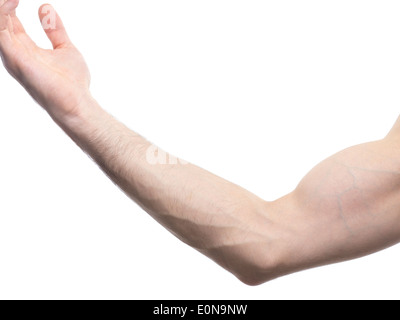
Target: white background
257,92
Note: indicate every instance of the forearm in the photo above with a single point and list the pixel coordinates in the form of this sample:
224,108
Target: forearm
218,218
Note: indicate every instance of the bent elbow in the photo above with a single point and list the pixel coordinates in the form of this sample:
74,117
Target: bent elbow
251,280
254,265
256,274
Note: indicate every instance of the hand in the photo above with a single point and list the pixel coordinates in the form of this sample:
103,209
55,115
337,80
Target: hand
57,79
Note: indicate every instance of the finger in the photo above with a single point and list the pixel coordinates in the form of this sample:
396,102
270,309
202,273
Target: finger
13,39
8,17
53,26
7,14
7,9
8,6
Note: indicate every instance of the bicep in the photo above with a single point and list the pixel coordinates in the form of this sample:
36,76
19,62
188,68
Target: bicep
347,206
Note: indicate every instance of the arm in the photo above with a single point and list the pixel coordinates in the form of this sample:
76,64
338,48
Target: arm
346,207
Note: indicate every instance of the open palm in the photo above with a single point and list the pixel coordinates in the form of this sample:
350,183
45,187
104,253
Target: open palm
57,79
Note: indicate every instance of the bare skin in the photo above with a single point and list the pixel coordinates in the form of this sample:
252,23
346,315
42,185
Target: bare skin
347,206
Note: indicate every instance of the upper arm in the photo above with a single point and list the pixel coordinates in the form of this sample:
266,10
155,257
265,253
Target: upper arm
346,207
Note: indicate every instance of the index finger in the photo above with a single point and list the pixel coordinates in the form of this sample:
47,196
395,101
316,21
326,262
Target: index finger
7,11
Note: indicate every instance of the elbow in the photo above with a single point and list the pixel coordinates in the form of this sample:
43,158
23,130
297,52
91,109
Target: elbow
256,274
258,255
254,267
251,280
265,256
247,264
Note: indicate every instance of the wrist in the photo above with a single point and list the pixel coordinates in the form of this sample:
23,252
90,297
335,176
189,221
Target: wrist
84,119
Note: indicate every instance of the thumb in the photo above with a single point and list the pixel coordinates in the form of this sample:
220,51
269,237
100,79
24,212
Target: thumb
53,26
